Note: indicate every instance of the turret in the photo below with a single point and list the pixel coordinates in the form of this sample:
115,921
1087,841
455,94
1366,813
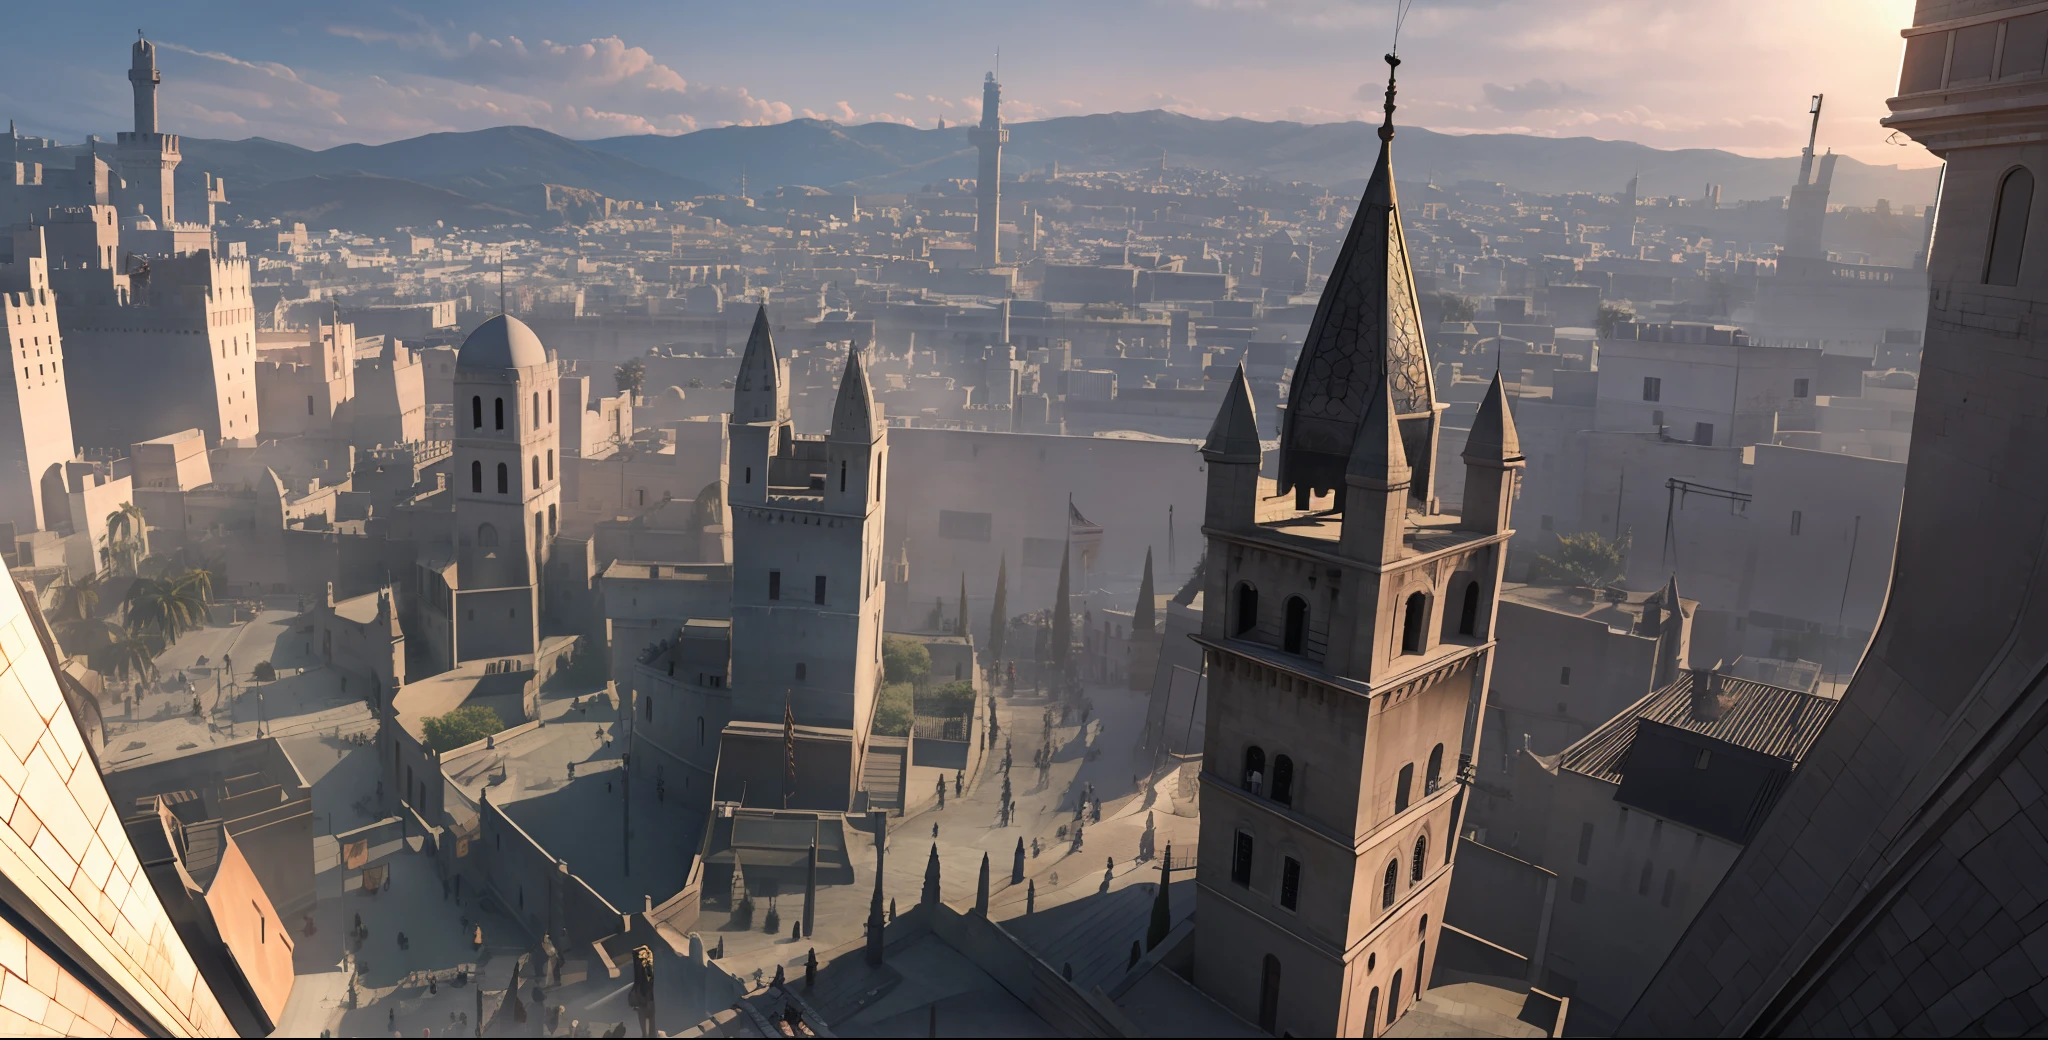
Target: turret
1232,455
1493,454
1376,485
760,414
852,454
143,75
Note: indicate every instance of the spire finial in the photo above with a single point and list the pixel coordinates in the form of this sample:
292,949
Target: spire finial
1387,128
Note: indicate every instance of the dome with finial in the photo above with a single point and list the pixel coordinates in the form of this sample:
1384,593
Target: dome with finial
500,343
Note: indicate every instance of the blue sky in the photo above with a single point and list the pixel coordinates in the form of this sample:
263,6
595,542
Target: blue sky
1729,74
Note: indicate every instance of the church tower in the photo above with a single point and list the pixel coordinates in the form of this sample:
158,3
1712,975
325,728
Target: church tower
507,488
1348,640
809,585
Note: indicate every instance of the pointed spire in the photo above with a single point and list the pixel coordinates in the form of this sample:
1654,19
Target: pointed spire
1493,437
1234,436
981,889
758,393
1060,640
1378,457
1141,615
855,417
931,877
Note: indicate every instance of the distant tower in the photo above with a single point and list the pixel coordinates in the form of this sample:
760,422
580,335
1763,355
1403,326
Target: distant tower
507,497
990,137
1807,208
148,158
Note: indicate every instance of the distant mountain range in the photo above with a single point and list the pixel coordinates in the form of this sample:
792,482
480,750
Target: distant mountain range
501,169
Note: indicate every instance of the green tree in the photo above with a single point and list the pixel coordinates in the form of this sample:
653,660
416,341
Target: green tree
121,653
74,613
1582,559
263,672
893,710
1612,316
126,541
906,661
631,376
463,726
950,700
168,607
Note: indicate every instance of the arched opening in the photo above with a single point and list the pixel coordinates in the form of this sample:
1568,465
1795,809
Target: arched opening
476,477
1283,780
504,479
1296,630
501,413
1415,863
536,406
487,536
648,704
1254,768
1404,786
1468,613
1411,623
1394,999
2009,228
552,529
536,473
1434,778
551,463
476,413
1387,884
1247,608
842,474
1372,1011
551,406
1269,995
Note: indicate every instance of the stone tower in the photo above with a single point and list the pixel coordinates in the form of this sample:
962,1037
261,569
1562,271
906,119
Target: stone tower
1894,889
148,158
1806,208
809,585
1348,647
507,489
989,137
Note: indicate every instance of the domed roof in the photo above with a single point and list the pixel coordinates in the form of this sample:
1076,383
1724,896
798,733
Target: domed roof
502,342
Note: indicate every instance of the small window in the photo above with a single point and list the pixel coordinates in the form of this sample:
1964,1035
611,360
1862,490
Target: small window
1418,860
536,406
774,584
842,474
476,413
1799,387
536,473
1703,434
1254,768
1585,844
1387,884
1653,388
1797,521
501,413
1241,861
1403,785
1290,883
309,404
1578,890
1294,633
1434,777
818,593
1283,780
504,479
1564,676
1247,608
476,477
1412,619
551,463
648,702
1703,759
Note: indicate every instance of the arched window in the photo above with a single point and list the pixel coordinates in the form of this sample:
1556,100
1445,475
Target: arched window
551,406
536,407
487,536
802,671
540,537
1269,995
476,477
552,529
1283,780
1411,623
501,413
648,702
536,473
1296,630
551,463
1372,1010
476,413
1394,999
1387,885
1434,778
1404,785
504,479
1247,608
842,474
2009,228
1468,614
1254,768
1415,862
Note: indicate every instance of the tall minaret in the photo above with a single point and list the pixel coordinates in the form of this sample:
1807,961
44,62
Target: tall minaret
990,137
148,158
1806,208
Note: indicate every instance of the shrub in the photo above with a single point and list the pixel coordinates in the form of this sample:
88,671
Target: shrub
264,672
463,726
906,661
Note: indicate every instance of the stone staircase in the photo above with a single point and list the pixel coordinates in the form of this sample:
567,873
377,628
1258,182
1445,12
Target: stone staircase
882,772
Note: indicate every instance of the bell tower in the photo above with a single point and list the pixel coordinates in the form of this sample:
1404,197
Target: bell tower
1348,638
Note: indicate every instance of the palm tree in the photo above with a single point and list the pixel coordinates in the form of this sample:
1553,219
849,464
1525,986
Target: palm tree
127,538
168,607
74,612
126,654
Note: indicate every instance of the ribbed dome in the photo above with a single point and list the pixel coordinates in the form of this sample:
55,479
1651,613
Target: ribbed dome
502,342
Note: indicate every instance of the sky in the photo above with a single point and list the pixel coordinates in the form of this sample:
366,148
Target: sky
1730,74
